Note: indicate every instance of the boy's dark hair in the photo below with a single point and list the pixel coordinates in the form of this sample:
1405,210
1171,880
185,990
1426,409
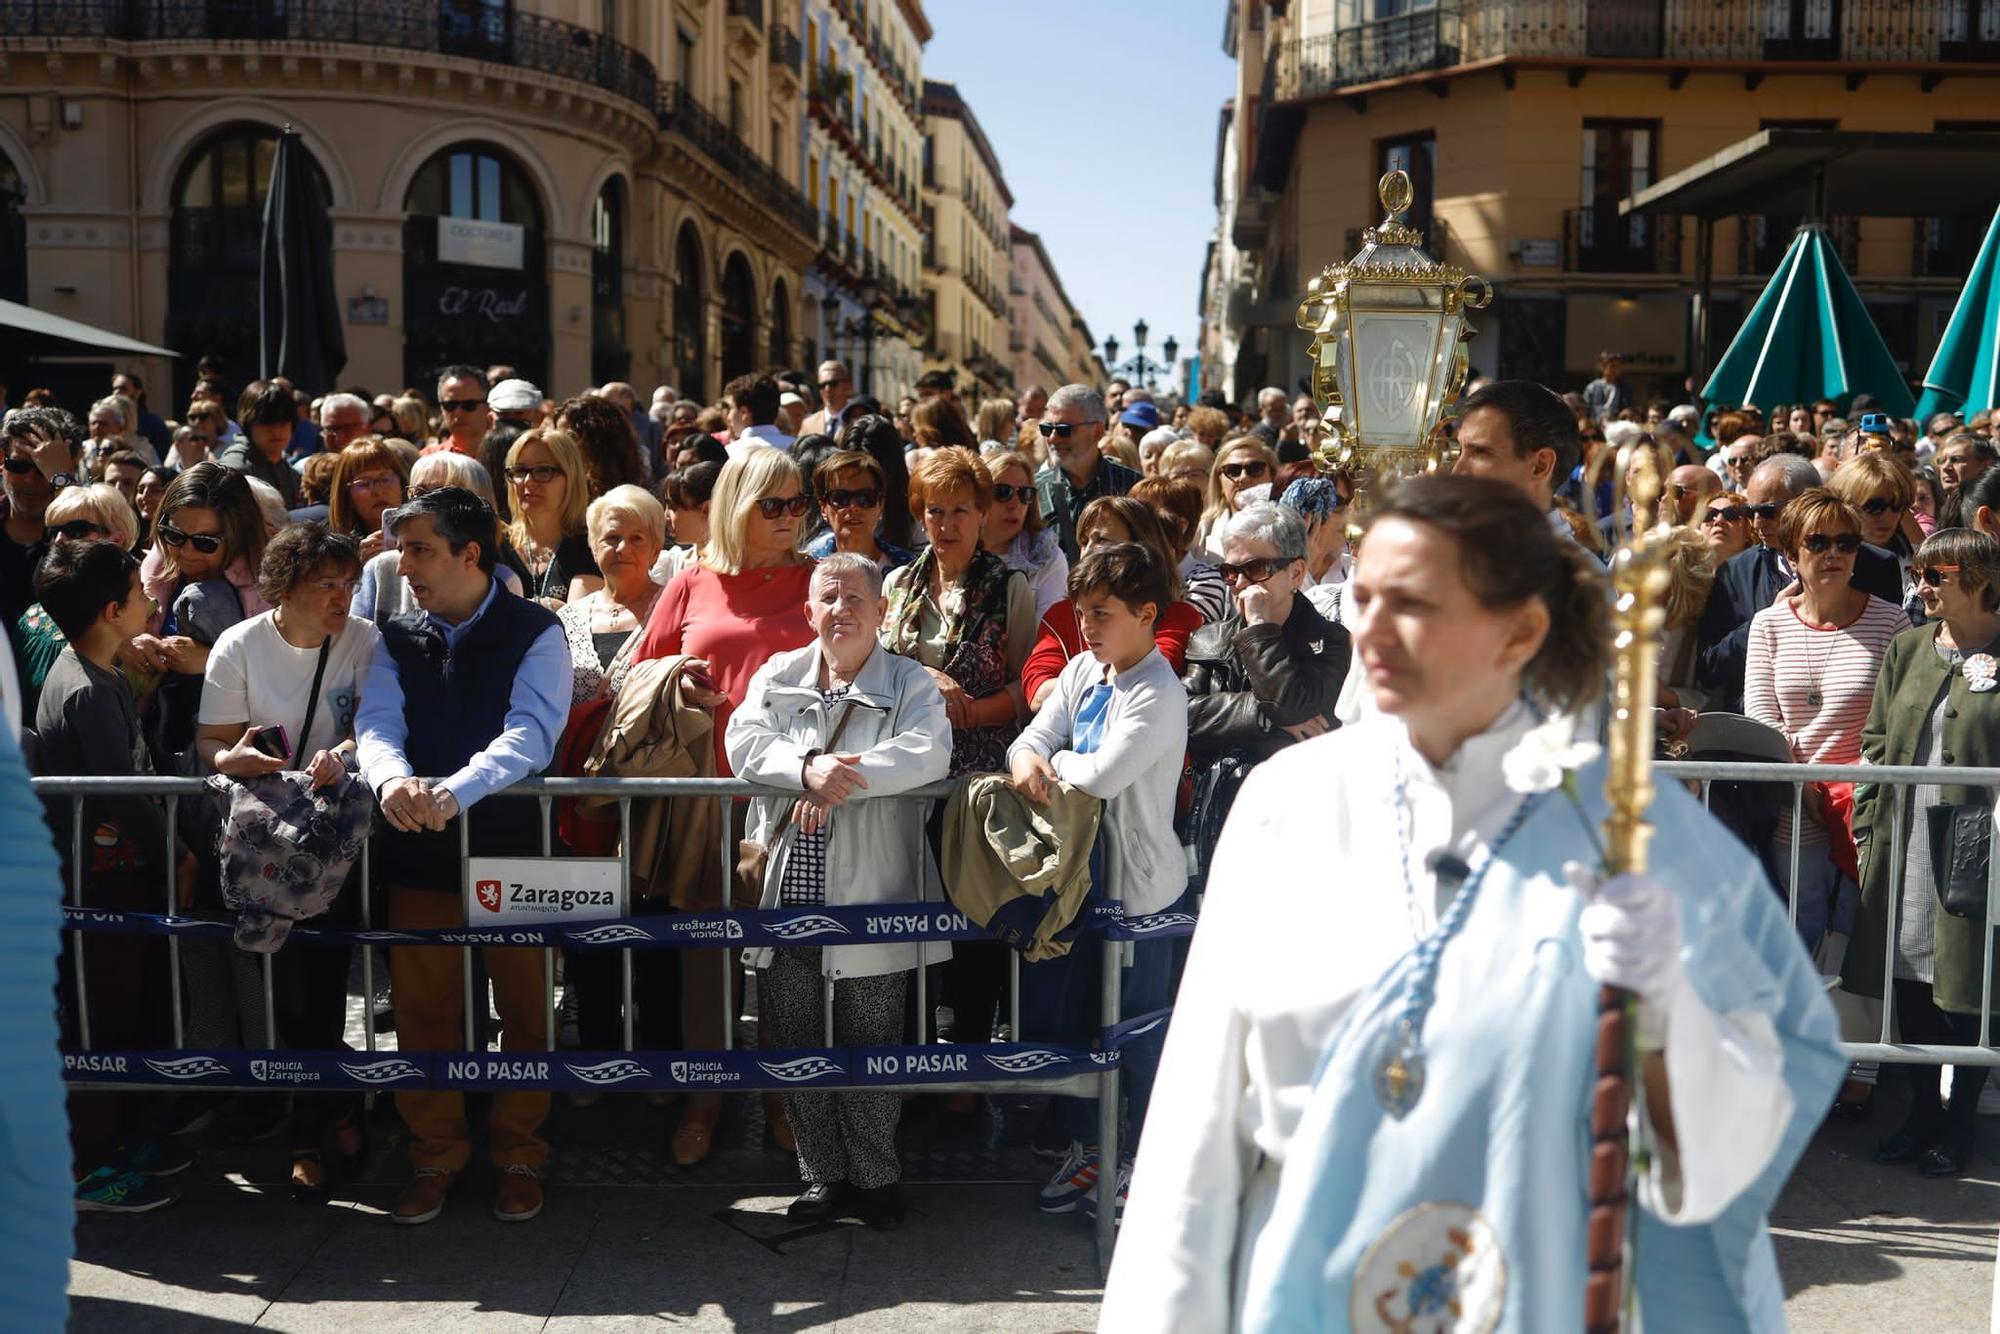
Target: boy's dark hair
78,580
121,457
300,552
690,487
706,448
755,394
459,517
1537,419
1125,570
461,371
269,405
939,382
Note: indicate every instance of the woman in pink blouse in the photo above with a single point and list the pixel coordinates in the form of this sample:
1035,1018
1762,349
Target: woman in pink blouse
1813,659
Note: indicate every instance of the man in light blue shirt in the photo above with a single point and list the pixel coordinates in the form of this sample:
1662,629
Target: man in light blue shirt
467,695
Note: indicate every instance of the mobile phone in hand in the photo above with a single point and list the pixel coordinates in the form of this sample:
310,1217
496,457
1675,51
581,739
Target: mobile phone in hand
272,741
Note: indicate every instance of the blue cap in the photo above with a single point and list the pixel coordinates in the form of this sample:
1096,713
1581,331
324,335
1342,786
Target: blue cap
1312,497
1141,413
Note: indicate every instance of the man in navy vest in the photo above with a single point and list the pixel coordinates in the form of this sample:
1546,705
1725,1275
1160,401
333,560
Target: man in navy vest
466,696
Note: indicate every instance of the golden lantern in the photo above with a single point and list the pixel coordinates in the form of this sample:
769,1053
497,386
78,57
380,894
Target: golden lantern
1388,349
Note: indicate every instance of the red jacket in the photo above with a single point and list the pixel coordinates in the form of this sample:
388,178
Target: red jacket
1060,640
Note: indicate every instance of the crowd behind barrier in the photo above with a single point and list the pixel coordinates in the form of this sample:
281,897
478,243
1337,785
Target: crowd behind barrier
716,555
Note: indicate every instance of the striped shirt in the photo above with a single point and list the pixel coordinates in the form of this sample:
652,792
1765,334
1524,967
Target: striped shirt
1815,683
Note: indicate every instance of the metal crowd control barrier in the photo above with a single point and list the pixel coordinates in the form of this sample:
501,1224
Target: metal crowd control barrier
1797,776
1016,1065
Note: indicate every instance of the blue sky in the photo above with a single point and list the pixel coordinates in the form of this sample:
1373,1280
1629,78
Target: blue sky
1103,114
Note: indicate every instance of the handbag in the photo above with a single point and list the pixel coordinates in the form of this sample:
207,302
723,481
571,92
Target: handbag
1961,847
753,858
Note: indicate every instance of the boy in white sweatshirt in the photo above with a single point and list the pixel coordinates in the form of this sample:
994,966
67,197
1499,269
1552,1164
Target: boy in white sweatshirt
1115,727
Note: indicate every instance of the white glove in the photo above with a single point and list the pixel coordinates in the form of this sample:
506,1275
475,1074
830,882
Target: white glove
1631,930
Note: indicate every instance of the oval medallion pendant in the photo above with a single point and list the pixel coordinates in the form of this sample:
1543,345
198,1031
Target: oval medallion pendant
1399,1070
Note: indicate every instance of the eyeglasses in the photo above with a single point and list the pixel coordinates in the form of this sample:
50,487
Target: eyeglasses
540,473
1879,506
19,467
206,543
1726,514
380,481
1821,543
1762,511
1059,430
772,506
830,384
1256,571
77,530
462,404
326,587
1003,492
1934,575
1254,468
867,498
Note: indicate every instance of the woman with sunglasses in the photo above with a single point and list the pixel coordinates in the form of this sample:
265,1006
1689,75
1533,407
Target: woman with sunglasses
1242,463
369,480
851,496
1810,674
1725,521
545,542
93,512
1014,531
202,571
1881,489
741,603
1935,705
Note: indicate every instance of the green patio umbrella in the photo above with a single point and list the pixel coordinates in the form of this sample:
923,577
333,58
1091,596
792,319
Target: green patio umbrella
1965,374
1808,337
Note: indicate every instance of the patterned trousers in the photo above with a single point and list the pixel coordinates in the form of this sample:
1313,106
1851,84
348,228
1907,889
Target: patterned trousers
842,1136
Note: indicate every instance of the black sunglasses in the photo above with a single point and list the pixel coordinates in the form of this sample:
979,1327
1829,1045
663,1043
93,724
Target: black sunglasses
1879,506
1256,571
1727,513
867,498
1821,543
772,506
19,467
1056,430
76,530
461,404
206,543
1006,491
1254,468
1762,511
1935,575
829,384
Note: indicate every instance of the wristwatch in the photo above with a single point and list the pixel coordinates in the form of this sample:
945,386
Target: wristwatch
61,480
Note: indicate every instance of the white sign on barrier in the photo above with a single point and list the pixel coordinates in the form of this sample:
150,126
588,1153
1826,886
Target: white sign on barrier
541,890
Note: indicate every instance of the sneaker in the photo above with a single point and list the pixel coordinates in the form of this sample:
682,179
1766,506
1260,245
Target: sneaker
423,1199
1089,1203
519,1196
111,1191
1076,1178
158,1158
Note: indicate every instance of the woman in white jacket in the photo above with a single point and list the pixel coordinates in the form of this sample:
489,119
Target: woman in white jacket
841,722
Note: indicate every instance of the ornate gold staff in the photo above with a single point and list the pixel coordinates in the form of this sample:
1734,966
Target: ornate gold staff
1639,577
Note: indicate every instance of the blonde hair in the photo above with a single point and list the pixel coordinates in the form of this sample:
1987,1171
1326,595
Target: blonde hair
563,448
1188,456
634,501
996,420
744,481
413,416
1215,507
1691,574
454,469
1121,449
100,501
1857,480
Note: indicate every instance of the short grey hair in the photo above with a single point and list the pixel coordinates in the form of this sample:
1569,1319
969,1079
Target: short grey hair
851,562
1275,526
343,402
635,502
1083,398
1799,473
1271,394
457,470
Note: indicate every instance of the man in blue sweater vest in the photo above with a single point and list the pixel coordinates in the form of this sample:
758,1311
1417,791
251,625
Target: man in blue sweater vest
467,696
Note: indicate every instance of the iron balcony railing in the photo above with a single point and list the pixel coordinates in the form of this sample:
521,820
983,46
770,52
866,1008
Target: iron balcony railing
785,49
682,114
1598,240
503,36
1761,241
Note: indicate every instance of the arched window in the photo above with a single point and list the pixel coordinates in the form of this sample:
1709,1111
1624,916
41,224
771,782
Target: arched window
475,266
610,358
781,324
13,235
739,318
214,252
690,335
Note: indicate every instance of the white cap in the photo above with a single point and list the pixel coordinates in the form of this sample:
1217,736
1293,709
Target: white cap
786,399
513,396
1684,412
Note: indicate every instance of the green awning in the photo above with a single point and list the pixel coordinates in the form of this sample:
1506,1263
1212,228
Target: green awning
1963,374
1808,337
25,331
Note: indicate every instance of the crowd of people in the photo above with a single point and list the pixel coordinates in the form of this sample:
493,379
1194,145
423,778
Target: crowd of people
1080,600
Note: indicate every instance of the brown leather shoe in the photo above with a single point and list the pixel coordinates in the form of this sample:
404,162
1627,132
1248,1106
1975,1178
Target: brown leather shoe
695,1135
519,1197
423,1199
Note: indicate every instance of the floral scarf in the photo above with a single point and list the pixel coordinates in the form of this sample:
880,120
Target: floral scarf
975,648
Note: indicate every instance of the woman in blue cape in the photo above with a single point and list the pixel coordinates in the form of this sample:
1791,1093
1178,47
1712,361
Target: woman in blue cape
1373,1108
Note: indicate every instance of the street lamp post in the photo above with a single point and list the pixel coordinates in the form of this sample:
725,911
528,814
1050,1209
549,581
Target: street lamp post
868,328
1140,367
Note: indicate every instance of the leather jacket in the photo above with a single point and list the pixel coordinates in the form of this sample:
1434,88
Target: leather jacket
1246,683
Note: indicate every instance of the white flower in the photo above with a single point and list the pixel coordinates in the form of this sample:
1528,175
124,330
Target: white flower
1980,672
1544,755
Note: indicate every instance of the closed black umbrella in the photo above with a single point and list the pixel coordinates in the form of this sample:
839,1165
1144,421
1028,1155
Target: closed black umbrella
298,312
